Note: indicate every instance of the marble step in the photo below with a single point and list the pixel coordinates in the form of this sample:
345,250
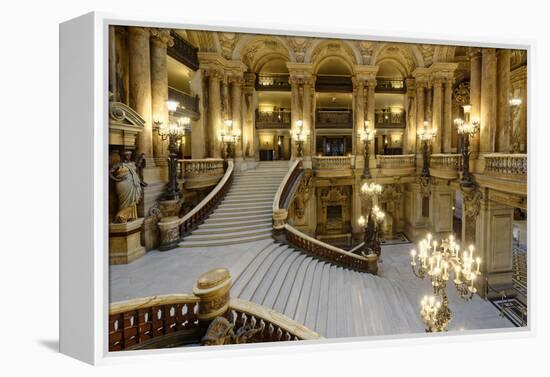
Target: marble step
232,227
231,241
286,273
248,199
291,306
306,294
238,219
244,209
252,190
290,282
245,204
333,309
242,280
259,275
324,301
268,287
239,215
228,235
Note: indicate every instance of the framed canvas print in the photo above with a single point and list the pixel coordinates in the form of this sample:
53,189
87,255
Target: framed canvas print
249,188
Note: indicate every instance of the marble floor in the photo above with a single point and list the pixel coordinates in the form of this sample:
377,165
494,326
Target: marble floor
177,270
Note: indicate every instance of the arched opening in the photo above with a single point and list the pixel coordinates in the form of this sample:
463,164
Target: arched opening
390,114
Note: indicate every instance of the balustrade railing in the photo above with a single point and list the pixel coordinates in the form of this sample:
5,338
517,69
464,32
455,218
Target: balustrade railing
272,119
272,81
334,119
197,215
333,166
135,322
445,165
324,251
166,321
390,85
397,165
184,52
511,165
388,119
186,101
188,169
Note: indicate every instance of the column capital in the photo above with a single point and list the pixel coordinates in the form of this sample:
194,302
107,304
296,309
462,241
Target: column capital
474,52
235,80
162,36
488,51
144,31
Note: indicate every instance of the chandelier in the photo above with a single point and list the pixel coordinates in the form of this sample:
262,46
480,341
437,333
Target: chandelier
371,188
441,262
466,126
427,133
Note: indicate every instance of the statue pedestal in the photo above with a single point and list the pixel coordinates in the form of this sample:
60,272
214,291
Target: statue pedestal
372,264
125,242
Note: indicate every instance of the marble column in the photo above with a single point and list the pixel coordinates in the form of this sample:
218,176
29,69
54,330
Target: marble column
214,113
140,85
488,119
359,93
409,144
295,112
420,107
249,130
503,104
309,127
447,115
475,94
371,86
160,40
437,115
236,112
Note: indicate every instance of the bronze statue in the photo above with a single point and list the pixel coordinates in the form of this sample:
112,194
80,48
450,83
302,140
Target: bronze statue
128,186
221,331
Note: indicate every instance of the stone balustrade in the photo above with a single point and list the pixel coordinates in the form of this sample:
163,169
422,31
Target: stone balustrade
200,173
506,165
333,166
177,320
396,165
446,166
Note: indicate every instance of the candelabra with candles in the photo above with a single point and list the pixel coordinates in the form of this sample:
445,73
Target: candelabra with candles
426,135
441,263
372,225
366,136
301,136
174,132
229,137
466,128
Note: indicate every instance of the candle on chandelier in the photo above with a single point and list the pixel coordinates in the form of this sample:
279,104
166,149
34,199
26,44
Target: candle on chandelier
478,262
413,256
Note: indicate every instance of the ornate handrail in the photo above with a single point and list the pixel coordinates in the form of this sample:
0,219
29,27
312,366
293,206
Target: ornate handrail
272,81
194,217
502,164
333,166
274,326
444,165
390,84
385,118
272,119
186,101
322,250
134,322
196,167
334,119
282,192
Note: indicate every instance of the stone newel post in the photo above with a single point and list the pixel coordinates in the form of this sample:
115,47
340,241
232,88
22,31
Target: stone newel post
212,288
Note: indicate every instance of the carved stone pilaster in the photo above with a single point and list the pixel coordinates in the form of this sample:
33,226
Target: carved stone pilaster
425,186
303,194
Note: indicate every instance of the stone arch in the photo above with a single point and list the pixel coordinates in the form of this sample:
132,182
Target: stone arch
407,57
342,50
443,54
253,50
206,41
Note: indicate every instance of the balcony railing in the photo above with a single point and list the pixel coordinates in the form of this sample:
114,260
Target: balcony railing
334,119
390,85
184,52
446,166
272,81
331,84
506,165
332,166
200,173
272,119
397,165
390,119
186,101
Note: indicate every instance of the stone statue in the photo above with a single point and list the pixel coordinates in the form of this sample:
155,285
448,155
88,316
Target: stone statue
128,186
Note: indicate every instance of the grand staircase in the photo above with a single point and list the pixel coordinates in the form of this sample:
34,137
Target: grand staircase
245,213
331,300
